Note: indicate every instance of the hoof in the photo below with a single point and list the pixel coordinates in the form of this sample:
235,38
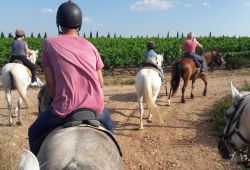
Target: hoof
141,128
204,94
192,96
183,101
168,103
149,121
14,115
19,123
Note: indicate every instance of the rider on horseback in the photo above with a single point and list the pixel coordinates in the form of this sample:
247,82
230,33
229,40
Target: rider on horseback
150,57
189,47
73,73
20,51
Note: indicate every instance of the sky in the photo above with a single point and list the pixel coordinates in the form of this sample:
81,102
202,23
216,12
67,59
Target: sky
132,17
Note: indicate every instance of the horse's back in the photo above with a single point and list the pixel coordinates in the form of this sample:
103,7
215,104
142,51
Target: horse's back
79,148
146,76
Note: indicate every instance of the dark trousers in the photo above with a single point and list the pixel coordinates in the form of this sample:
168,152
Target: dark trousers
47,121
27,63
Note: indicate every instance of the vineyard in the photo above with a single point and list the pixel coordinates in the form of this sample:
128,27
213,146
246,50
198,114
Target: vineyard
129,52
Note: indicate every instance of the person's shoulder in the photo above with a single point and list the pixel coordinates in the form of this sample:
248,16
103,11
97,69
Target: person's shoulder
52,38
88,43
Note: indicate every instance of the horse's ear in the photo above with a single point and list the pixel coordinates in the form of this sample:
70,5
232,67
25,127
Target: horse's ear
235,93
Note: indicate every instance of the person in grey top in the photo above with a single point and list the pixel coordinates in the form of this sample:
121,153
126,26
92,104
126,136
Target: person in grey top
20,51
150,57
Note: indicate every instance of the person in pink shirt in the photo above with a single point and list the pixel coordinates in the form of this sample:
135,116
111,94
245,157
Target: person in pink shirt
189,47
73,73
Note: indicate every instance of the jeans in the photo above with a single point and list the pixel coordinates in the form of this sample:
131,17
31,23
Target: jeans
199,59
48,121
106,120
27,63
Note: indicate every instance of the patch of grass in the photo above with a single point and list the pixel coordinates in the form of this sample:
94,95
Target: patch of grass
217,114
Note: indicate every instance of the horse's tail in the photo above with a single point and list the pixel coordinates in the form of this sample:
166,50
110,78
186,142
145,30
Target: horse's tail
148,93
15,79
176,77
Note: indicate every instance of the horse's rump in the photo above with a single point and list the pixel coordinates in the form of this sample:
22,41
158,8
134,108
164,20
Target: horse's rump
82,147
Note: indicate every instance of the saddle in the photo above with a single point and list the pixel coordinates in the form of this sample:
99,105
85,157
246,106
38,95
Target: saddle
20,62
151,66
84,118
197,64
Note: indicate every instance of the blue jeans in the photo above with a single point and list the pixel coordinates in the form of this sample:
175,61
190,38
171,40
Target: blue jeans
48,121
106,120
199,59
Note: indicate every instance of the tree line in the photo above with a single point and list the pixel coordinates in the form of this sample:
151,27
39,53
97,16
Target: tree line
91,35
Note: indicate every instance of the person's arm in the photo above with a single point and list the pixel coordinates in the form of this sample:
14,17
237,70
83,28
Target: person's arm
100,78
27,50
50,81
199,45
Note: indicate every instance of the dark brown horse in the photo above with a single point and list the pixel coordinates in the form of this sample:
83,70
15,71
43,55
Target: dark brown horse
185,68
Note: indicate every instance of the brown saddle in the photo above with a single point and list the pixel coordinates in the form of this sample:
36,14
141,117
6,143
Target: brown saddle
20,62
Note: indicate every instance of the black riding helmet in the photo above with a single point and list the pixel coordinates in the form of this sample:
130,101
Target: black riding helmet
69,15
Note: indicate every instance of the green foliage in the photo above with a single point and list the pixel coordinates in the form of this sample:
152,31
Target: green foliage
217,115
237,60
129,52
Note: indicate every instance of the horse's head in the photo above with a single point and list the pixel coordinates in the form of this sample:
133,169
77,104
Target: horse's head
218,58
232,139
160,59
33,56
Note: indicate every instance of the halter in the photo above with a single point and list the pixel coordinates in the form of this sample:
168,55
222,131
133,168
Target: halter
235,119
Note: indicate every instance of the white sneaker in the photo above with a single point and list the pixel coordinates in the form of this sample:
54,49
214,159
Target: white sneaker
34,84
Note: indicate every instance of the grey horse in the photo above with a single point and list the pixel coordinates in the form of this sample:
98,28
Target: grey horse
74,148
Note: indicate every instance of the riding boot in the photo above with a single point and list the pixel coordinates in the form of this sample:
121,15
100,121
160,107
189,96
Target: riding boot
197,63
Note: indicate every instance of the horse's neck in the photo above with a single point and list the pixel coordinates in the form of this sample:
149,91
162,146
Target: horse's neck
208,58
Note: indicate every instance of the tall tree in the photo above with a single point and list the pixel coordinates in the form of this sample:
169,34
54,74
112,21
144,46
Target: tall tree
10,35
108,36
2,35
45,35
210,34
168,35
32,35
39,35
97,34
114,35
177,36
90,34
84,35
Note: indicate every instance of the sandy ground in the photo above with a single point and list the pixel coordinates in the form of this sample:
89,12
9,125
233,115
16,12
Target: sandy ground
184,140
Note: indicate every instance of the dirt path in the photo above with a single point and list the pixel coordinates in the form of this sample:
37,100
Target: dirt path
185,140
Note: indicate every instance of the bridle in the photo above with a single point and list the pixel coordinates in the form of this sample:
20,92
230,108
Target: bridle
234,120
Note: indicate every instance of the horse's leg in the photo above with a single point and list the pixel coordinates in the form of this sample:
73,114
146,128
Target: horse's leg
9,103
169,96
140,102
183,89
204,78
18,111
166,89
192,88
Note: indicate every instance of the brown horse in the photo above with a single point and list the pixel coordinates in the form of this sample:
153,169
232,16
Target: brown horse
185,68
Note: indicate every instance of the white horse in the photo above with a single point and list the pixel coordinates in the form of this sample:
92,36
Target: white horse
73,147
16,76
148,83
236,135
